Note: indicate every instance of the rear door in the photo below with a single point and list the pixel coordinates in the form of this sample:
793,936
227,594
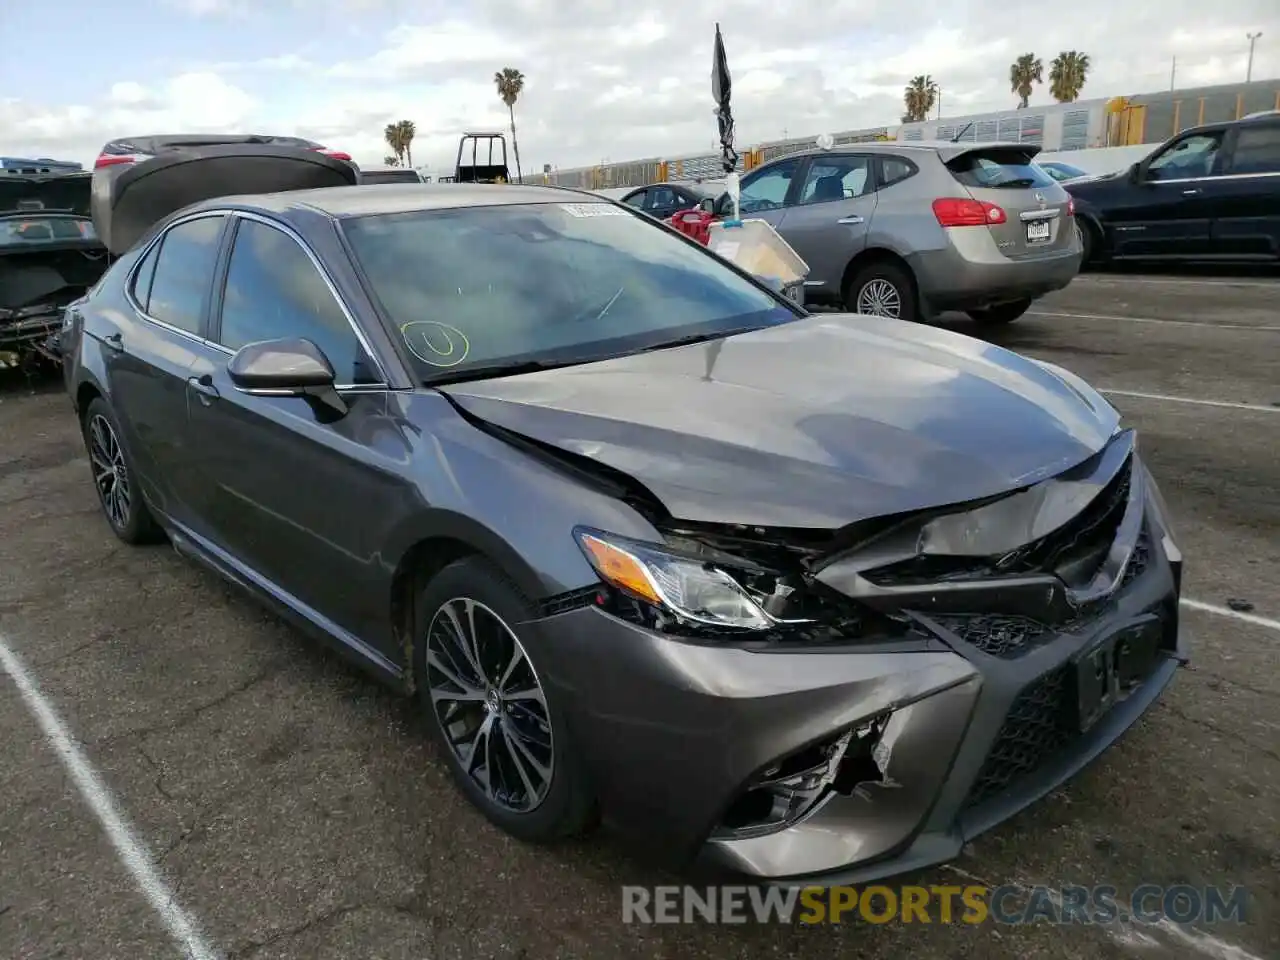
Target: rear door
1245,200
829,221
150,349
1033,220
280,478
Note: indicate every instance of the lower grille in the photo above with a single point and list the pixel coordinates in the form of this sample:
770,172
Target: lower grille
1037,728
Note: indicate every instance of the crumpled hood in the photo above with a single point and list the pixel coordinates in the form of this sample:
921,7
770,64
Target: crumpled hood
817,423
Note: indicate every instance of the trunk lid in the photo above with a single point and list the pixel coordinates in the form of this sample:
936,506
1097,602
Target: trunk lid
1037,217
128,200
55,193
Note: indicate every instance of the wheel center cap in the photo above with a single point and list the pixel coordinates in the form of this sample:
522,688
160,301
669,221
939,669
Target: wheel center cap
492,702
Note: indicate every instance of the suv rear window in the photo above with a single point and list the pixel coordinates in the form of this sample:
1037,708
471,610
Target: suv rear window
998,168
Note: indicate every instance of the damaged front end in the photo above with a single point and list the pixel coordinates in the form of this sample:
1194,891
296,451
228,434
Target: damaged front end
50,256
1059,599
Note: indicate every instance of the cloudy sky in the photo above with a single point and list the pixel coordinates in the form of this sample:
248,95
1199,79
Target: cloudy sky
605,80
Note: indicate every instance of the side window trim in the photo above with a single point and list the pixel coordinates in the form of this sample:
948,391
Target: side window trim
216,323
155,245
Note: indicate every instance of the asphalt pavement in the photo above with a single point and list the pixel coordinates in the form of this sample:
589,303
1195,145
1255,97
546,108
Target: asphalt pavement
225,787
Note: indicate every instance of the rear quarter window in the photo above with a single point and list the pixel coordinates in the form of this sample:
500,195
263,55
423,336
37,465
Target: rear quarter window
998,168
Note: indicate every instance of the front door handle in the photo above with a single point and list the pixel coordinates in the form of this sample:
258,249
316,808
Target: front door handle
850,221
204,387
1190,193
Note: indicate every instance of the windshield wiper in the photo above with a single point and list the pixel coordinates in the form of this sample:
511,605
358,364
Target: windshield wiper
486,371
698,338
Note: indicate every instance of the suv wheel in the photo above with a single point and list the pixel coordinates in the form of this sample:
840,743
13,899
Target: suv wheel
114,478
882,290
1001,312
508,747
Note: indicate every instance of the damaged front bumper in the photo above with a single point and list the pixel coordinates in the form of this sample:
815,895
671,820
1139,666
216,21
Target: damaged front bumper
841,763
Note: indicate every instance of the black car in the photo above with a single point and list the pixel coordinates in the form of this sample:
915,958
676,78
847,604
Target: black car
786,595
1209,193
663,200
50,255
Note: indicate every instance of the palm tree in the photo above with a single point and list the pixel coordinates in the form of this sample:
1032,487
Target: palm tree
1024,72
391,133
919,97
391,161
510,84
1067,74
407,131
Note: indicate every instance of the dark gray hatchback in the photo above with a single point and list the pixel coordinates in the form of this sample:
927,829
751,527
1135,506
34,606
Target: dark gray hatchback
802,597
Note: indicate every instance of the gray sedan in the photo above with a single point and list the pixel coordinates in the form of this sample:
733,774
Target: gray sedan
788,596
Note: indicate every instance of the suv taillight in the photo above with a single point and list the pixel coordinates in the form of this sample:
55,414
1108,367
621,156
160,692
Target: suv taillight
955,212
337,155
115,159
1071,206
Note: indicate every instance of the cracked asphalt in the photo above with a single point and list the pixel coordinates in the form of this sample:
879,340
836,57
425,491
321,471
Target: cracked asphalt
298,812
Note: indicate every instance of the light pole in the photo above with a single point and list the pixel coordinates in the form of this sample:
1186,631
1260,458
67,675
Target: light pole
1253,38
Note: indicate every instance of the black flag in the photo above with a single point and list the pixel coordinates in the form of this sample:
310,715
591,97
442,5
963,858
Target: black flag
720,89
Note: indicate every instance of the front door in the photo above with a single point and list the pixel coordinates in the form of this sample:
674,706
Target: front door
150,349
766,193
288,485
1169,212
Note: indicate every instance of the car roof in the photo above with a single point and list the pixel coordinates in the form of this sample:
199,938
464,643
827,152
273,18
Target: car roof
344,202
946,149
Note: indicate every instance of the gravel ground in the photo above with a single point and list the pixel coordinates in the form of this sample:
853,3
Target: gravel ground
296,810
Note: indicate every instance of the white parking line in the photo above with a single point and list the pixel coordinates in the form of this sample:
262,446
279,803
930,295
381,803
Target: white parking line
132,853
1240,615
1174,281
1229,404
1111,318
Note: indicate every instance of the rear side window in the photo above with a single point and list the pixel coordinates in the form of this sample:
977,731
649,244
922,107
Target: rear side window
894,170
184,272
142,279
1008,168
1257,150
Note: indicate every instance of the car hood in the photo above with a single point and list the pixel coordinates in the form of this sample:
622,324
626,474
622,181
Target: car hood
55,193
817,423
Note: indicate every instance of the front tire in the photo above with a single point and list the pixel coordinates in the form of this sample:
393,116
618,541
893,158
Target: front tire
115,479
882,289
1001,313
508,747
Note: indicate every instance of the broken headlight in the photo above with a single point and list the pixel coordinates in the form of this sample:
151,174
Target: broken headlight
690,588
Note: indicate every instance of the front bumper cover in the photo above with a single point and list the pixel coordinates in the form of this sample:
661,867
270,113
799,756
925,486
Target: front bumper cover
673,732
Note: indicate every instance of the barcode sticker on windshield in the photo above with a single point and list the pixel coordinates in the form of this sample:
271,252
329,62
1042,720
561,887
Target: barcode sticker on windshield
592,210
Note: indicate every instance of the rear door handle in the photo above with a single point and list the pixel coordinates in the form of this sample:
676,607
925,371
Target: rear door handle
849,221
1190,193
205,388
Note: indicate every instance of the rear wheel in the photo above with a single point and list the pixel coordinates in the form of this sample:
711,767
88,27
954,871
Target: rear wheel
882,289
1001,312
114,478
1088,242
507,746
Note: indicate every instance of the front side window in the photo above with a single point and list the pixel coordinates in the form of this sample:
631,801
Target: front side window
767,190
184,273
551,282
836,178
637,199
1190,157
275,292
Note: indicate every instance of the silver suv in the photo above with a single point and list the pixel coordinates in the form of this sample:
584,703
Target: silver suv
909,230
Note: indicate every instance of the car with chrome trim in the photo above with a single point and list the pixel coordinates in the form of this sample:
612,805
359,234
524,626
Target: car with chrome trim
795,597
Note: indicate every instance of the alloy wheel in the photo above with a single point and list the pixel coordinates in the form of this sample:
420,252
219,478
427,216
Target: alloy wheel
490,704
110,473
880,298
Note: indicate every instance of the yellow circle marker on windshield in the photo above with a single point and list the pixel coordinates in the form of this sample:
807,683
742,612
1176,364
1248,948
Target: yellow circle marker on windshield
421,346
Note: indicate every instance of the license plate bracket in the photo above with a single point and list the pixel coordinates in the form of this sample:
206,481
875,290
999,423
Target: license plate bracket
1037,231
1113,664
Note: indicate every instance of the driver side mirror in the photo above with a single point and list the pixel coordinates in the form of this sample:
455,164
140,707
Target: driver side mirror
286,368
1138,172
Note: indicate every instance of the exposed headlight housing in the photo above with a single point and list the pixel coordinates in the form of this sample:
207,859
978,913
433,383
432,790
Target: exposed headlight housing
693,589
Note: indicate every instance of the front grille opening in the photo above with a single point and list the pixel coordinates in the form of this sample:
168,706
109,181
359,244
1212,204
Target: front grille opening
1074,551
996,634
785,792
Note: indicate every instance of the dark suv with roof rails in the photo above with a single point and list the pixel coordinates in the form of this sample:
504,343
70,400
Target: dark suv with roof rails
1209,193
